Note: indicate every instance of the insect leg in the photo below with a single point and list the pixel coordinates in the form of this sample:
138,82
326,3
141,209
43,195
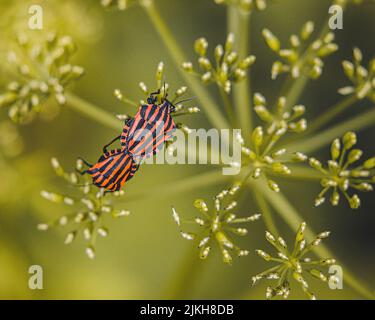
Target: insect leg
108,144
156,92
82,172
85,162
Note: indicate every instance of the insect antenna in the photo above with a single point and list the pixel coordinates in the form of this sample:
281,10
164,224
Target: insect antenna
185,100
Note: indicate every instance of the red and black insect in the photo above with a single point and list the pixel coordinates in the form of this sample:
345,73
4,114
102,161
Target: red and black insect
142,136
113,168
150,128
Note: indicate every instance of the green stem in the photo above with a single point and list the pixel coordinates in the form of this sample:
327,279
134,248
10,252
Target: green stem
188,272
228,106
331,113
238,24
360,122
186,276
296,90
232,21
213,113
92,111
299,173
293,219
181,185
265,210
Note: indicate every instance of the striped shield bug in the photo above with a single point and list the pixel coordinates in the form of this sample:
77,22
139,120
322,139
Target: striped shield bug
141,137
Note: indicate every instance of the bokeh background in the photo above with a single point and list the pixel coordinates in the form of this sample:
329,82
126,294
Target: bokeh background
144,257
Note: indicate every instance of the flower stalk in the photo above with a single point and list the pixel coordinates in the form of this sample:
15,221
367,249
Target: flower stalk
331,113
360,122
92,111
239,25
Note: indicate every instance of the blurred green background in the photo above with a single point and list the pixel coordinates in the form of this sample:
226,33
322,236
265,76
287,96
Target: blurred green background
144,256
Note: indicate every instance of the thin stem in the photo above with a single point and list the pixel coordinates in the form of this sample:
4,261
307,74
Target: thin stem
181,185
265,210
331,113
232,20
299,173
213,113
228,106
296,90
360,122
238,24
269,144
293,219
186,276
92,111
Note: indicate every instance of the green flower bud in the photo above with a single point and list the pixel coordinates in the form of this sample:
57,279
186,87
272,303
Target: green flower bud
271,40
227,258
295,41
316,72
159,72
259,99
277,68
263,113
247,62
278,167
263,255
348,68
201,205
257,137
316,164
273,186
328,49
349,140
307,30
301,232
369,164
354,155
335,149
200,46
187,66
229,42
219,52
318,274
204,252
354,202
357,54
335,198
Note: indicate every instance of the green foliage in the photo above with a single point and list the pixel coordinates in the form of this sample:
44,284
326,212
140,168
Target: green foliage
340,174
43,69
91,207
216,224
225,69
40,70
363,79
301,58
263,155
292,264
